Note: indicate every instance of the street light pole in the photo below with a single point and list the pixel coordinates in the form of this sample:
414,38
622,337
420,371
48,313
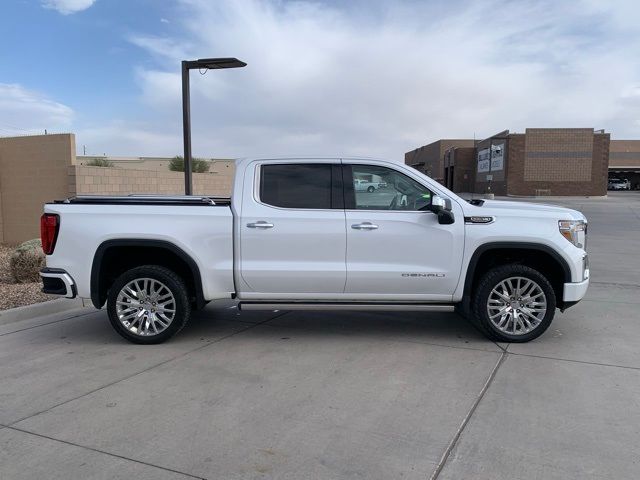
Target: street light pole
186,129
206,64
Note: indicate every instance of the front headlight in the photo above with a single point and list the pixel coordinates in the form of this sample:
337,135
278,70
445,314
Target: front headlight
575,231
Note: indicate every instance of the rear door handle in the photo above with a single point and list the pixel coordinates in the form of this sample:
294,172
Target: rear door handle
260,224
364,226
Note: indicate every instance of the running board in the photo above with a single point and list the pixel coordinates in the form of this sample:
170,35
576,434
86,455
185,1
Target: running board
404,307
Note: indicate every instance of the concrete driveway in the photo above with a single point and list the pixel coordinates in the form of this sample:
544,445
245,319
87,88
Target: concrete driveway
325,396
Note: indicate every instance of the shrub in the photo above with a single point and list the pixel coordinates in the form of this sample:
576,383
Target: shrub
198,165
27,260
99,162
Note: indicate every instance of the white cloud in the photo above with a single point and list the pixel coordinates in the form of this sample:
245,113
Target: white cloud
67,7
372,78
24,111
162,47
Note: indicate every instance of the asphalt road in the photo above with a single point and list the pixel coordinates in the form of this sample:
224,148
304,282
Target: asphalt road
329,396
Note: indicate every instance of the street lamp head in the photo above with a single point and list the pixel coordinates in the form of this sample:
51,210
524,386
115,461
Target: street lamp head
215,63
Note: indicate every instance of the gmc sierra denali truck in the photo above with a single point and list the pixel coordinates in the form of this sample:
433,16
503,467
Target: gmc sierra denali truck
297,235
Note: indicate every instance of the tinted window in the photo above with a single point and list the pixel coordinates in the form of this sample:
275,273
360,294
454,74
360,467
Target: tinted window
381,188
296,185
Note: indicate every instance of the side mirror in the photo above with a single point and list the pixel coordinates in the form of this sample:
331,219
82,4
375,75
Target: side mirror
446,217
442,207
437,204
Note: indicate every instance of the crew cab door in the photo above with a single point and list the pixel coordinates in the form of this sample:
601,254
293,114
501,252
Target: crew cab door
292,230
395,250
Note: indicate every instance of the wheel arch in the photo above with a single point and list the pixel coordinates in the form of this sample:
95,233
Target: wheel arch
107,265
535,255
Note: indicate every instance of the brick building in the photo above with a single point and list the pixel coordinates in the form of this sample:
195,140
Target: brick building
541,161
459,164
624,161
428,159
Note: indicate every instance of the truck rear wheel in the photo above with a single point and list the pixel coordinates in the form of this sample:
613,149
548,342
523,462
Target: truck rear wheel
513,303
148,304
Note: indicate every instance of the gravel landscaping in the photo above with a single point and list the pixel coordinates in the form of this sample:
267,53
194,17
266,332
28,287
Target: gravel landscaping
17,294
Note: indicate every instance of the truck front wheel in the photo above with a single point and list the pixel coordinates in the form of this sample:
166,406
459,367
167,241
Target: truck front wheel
513,303
148,304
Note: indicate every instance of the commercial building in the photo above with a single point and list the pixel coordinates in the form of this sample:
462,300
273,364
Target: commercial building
40,168
624,161
429,158
541,161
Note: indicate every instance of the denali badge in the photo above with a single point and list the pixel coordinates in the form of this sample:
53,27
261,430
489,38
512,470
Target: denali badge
478,219
433,275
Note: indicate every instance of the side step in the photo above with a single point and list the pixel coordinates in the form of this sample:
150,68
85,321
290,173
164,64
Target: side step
389,307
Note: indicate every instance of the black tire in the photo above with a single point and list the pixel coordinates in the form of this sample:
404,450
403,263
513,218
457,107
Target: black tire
480,302
371,189
173,283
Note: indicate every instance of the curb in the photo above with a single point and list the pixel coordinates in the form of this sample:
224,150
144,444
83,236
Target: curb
482,196
40,309
560,197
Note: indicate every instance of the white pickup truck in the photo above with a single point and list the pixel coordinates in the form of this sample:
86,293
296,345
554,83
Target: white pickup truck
296,235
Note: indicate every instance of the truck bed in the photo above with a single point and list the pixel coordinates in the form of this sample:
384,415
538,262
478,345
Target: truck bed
197,227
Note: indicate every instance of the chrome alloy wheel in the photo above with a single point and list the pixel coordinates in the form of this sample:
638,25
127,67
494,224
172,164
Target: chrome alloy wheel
517,305
145,306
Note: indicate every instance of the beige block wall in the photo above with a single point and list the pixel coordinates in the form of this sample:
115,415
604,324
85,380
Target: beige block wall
135,163
1,224
41,168
219,166
33,171
84,180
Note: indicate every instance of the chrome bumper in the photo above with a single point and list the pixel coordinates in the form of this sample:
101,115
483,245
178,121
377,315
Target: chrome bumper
56,281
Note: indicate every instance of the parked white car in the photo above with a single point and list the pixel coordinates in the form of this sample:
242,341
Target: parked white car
295,236
619,184
365,186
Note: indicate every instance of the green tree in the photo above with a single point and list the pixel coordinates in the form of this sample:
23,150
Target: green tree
198,165
99,162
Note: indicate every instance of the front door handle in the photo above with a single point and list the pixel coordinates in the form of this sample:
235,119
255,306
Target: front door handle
364,226
260,224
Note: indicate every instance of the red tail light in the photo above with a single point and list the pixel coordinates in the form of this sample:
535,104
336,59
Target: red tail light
49,224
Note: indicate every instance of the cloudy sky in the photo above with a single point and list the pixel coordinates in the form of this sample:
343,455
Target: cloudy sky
360,77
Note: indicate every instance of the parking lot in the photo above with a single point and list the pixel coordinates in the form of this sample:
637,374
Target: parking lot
314,395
